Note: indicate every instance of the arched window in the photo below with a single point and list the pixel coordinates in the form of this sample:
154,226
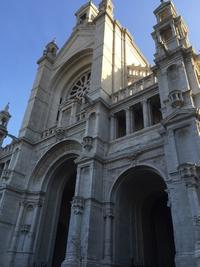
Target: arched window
80,87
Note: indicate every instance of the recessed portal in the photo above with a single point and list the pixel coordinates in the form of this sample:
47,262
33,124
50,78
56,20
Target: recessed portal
63,223
143,224
56,216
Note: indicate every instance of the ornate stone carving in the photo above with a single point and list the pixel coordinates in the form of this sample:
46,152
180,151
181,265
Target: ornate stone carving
134,157
108,212
25,228
197,220
60,133
188,172
80,87
176,99
6,175
78,205
88,142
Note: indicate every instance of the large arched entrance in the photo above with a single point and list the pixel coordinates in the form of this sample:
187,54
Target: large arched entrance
56,216
143,231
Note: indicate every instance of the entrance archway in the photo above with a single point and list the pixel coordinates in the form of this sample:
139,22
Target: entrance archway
143,231
55,220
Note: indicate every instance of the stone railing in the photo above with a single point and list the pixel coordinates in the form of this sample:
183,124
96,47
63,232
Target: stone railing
134,88
7,149
54,130
80,116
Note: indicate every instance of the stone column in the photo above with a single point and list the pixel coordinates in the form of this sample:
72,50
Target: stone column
108,238
189,174
17,228
128,121
34,225
145,113
112,127
73,253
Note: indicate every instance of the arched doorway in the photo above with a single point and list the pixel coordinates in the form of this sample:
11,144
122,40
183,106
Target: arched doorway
143,231
55,220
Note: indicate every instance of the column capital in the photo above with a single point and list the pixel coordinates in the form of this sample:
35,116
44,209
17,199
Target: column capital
78,204
188,170
108,210
189,173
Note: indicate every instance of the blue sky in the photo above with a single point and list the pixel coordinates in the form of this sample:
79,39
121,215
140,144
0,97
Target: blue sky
27,25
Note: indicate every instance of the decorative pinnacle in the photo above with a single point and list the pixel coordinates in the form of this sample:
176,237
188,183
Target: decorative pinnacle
7,107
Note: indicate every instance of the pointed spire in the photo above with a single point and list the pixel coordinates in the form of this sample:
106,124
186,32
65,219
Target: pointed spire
106,6
6,109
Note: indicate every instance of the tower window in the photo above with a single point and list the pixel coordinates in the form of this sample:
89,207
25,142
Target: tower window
83,18
163,15
166,34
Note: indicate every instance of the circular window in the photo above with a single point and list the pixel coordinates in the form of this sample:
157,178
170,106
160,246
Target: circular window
81,86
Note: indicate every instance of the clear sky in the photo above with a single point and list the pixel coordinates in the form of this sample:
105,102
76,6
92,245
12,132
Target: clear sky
27,25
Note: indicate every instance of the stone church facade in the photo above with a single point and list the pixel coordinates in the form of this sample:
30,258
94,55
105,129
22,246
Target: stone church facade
105,171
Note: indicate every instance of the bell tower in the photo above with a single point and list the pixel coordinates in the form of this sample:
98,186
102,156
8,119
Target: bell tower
175,60
4,119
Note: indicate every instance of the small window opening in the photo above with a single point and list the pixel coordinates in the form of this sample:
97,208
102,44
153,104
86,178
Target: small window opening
166,34
121,124
138,120
83,18
1,168
164,14
155,109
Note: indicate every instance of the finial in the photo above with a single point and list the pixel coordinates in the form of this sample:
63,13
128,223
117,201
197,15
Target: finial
54,40
7,107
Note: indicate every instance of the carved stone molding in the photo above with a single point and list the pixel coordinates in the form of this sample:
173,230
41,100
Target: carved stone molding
25,228
108,211
60,133
88,143
188,172
78,205
133,158
176,99
197,220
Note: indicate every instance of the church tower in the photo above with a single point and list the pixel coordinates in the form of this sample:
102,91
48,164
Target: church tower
4,119
177,70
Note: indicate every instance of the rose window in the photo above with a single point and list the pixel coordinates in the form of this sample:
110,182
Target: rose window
81,86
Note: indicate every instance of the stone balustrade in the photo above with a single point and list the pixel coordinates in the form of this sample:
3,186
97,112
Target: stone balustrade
134,88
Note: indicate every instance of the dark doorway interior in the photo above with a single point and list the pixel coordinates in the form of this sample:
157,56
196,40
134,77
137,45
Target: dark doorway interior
63,222
159,248
143,224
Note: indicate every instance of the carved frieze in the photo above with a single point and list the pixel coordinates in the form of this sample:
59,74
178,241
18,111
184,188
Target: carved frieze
59,133
78,205
188,172
88,143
